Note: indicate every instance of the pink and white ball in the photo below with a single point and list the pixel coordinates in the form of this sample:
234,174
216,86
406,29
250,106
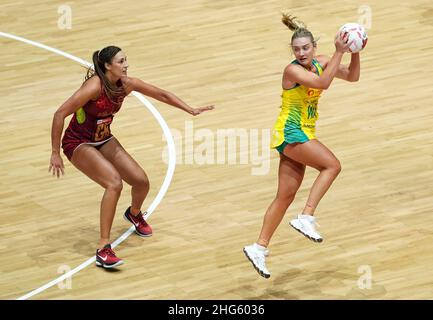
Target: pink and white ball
357,34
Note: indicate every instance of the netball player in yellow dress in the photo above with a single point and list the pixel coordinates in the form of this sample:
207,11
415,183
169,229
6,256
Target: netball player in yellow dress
294,135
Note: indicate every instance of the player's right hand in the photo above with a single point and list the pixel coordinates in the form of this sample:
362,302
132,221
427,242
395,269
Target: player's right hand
56,164
341,42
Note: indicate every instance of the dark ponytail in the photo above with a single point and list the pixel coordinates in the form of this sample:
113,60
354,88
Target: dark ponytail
100,58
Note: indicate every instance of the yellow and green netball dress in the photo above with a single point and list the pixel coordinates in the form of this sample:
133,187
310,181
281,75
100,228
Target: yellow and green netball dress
297,120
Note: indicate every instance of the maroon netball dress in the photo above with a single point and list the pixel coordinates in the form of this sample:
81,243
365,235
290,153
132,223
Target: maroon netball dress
91,123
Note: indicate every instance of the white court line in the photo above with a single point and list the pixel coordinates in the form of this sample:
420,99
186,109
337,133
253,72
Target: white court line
162,190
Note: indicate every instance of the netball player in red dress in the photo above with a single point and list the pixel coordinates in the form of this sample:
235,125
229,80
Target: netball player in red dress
90,146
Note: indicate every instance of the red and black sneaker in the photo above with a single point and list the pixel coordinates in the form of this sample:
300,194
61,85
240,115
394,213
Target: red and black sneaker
142,228
106,258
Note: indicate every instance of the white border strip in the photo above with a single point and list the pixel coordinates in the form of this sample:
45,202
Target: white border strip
162,190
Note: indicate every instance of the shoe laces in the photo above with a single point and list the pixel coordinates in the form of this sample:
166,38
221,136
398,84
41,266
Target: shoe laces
141,219
312,223
109,251
264,253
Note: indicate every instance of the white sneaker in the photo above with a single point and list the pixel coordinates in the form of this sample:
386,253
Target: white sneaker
305,225
256,254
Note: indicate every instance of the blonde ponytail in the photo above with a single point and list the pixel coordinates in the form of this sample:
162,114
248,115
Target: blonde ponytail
291,22
298,27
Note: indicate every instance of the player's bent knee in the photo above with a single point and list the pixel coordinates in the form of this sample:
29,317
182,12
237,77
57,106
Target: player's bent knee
286,198
115,184
336,168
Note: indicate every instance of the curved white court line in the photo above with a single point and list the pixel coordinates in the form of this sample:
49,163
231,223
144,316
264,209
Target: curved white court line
162,190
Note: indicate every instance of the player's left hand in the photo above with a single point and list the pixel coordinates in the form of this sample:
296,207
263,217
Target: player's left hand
197,111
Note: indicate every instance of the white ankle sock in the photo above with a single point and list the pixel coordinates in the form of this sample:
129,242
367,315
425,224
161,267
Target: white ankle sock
259,247
307,216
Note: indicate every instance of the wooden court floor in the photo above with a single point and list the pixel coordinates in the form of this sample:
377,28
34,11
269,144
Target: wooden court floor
376,220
